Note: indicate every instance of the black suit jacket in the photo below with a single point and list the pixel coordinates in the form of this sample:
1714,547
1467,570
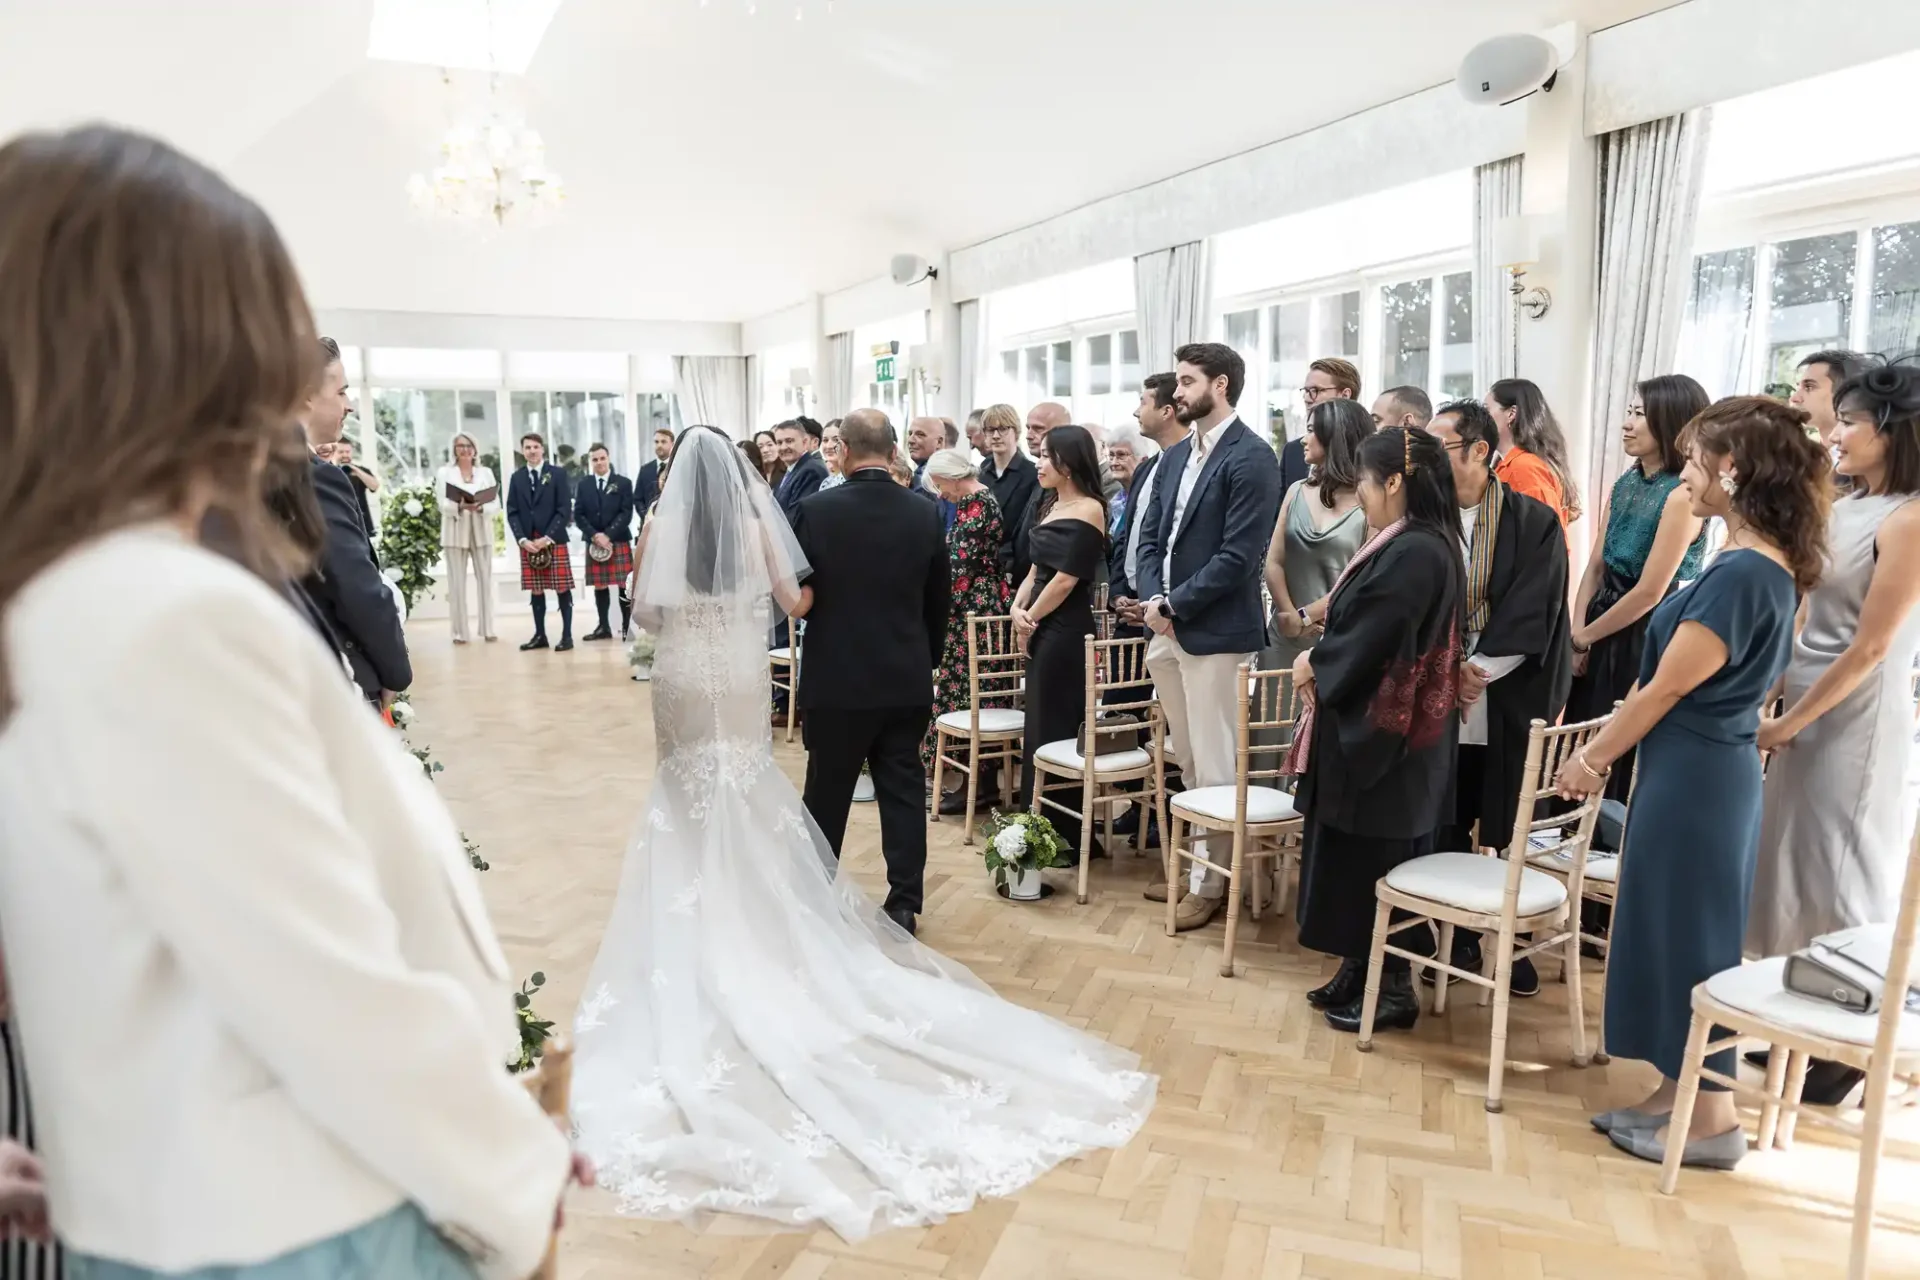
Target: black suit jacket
542,510
610,513
646,488
1014,490
1119,584
1293,463
348,592
880,597
801,483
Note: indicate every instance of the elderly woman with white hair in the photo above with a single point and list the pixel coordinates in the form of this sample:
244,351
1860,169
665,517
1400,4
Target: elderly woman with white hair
973,572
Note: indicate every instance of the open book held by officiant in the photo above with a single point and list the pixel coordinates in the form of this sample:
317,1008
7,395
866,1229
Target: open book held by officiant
456,494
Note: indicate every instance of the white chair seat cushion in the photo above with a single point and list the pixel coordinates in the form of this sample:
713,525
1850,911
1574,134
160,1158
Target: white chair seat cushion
1473,882
1065,754
1600,866
783,654
1760,989
1264,804
992,720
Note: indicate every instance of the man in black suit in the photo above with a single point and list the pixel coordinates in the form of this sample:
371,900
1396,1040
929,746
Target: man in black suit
646,481
874,633
1327,378
603,509
1203,547
346,587
799,443
1402,407
539,508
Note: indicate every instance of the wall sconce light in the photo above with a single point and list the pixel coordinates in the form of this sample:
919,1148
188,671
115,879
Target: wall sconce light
1516,247
800,378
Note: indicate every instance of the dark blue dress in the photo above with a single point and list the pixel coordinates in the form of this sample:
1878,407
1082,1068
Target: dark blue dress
1694,827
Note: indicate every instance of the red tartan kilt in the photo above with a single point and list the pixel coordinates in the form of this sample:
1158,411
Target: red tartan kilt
612,573
557,576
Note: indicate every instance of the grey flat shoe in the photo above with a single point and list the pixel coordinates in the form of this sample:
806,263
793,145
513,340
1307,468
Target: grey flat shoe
1721,1151
1626,1118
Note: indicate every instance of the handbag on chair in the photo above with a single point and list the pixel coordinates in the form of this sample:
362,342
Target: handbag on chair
1113,734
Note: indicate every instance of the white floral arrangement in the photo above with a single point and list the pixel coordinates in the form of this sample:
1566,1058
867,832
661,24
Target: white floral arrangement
1021,842
641,650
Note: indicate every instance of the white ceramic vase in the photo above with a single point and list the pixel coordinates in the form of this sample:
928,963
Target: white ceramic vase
1023,885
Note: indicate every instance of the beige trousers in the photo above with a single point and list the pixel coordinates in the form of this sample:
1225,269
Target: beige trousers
1198,697
460,563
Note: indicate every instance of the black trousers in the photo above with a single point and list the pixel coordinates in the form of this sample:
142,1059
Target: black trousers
887,741
1470,775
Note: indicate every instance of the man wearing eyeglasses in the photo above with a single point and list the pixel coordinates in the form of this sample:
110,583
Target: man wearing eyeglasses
1327,378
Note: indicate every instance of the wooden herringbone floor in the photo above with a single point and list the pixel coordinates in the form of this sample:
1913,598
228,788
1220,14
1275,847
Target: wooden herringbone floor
1276,1150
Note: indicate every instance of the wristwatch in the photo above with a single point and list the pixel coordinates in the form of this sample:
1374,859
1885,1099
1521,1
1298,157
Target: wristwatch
1166,609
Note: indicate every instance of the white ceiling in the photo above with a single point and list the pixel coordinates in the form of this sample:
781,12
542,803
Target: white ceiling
721,166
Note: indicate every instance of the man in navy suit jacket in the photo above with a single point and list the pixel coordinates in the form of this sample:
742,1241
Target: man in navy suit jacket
603,509
539,508
799,443
1203,546
646,481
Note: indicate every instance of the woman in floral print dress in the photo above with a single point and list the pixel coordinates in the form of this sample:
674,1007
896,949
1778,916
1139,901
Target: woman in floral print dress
973,547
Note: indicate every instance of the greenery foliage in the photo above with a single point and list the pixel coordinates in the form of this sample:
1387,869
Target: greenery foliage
534,1033
1036,847
410,539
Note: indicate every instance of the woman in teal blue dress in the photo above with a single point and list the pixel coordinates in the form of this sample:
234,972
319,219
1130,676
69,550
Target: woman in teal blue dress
1713,650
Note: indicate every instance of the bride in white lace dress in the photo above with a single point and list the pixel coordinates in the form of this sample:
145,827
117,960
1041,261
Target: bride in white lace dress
757,1037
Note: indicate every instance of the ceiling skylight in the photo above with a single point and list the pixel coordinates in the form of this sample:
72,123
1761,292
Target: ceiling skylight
456,33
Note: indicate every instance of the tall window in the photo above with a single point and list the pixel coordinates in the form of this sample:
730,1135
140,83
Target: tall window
1094,371
1755,311
1299,332
414,429
571,423
1406,332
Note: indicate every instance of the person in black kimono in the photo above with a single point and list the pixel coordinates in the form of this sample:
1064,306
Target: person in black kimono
1053,608
1375,748
603,505
539,508
1519,651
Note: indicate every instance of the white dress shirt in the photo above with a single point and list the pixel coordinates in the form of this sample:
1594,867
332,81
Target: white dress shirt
262,1004
1196,461
1473,733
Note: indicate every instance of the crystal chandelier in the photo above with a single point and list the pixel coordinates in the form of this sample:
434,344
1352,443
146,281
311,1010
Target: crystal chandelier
493,169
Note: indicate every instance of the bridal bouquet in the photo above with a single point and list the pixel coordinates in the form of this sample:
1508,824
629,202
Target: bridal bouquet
640,652
1021,845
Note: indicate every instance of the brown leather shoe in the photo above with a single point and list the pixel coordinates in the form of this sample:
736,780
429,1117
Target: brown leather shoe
1194,912
1156,890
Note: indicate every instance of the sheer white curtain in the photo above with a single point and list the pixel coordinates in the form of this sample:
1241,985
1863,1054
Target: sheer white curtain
1714,345
1173,291
712,390
1496,195
756,395
1649,197
966,378
836,380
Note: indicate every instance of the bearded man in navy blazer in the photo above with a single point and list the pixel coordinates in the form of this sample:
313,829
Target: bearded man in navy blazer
1203,546
603,505
539,508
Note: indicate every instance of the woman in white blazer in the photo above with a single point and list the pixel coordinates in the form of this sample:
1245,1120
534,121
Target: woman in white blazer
265,1016
466,535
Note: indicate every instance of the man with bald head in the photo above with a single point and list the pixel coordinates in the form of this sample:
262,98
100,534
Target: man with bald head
926,437
874,634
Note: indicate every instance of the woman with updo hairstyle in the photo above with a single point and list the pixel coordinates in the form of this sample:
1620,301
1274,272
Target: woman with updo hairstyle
1713,650
973,578
1839,806
1375,747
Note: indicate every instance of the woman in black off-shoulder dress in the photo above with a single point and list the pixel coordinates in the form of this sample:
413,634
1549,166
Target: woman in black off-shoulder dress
1053,607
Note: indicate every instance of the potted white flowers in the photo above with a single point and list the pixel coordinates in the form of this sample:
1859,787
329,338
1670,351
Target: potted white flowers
1019,847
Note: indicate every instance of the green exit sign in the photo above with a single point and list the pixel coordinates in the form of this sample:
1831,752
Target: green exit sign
883,369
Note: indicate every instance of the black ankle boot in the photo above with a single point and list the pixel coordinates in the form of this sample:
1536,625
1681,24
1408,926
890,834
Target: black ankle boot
1347,986
1829,1083
1398,1008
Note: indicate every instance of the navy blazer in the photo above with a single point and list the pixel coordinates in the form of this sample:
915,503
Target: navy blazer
646,488
611,514
1118,584
539,510
1220,551
348,592
1293,463
801,483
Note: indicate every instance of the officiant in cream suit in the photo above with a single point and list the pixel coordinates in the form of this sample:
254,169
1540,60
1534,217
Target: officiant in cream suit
466,534
265,1017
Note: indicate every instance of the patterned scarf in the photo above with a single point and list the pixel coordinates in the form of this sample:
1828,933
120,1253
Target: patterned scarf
1480,555
1301,748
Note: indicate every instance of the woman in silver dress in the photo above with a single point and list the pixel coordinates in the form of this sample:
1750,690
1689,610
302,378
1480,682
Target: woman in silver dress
1839,806
1320,528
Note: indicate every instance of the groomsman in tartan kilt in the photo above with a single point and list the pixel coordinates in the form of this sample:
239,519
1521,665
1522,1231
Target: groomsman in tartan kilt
539,508
603,509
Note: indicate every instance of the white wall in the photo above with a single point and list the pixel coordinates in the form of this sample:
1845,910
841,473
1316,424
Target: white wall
528,333
1092,293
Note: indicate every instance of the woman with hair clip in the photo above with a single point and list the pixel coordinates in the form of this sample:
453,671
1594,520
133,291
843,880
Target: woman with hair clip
1652,541
1053,609
1375,746
220,878
1713,651
1321,525
1533,450
1839,800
